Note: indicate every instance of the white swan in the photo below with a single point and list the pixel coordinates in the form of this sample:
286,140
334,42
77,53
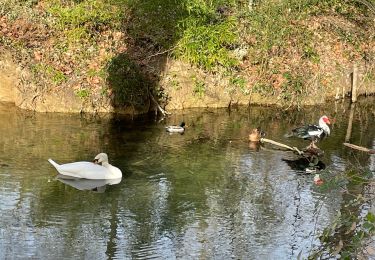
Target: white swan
89,170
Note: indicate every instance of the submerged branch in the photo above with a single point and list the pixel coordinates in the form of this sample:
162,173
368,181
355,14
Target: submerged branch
360,148
294,149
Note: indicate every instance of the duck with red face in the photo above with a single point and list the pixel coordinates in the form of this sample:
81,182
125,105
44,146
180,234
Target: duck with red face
313,132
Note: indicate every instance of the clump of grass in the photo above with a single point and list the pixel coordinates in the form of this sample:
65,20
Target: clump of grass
208,34
91,14
48,72
199,88
83,93
238,83
208,45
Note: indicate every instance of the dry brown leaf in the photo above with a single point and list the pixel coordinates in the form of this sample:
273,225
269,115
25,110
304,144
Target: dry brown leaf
370,250
352,228
338,248
37,55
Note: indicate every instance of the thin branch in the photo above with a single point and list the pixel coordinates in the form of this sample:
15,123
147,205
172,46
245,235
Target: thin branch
295,149
158,106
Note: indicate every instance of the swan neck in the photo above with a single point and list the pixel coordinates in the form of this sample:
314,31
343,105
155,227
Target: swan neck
105,164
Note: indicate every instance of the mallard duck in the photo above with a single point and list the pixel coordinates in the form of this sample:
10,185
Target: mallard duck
256,134
100,169
176,128
313,132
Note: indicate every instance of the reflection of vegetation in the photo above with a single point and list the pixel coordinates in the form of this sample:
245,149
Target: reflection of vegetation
351,227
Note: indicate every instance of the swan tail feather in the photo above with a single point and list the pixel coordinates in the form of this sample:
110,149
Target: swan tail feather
53,163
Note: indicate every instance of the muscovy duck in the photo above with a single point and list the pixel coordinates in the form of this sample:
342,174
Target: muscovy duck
313,132
176,128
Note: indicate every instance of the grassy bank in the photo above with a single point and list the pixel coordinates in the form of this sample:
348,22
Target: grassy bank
117,49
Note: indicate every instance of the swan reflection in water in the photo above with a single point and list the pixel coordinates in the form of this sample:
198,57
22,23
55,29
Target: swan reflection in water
85,184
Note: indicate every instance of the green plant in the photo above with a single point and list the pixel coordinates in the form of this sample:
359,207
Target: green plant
199,88
310,53
207,45
239,83
48,72
83,93
262,88
127,82
174,82
90,14
345,236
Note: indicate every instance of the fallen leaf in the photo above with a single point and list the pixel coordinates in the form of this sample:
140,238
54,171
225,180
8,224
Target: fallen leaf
352,228
370,250
338,248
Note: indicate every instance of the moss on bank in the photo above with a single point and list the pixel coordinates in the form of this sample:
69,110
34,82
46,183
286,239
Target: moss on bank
287,49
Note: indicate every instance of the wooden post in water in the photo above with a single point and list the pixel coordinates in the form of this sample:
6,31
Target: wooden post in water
354,83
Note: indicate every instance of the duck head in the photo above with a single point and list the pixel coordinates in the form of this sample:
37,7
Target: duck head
323,123
256,134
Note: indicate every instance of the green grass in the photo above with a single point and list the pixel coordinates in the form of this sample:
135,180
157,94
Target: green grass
41,70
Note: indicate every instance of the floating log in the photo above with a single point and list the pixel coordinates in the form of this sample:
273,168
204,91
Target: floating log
360,148
294,149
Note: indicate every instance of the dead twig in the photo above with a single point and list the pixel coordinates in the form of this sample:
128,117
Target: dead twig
158,106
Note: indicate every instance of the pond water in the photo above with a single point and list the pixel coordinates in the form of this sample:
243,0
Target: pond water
205,194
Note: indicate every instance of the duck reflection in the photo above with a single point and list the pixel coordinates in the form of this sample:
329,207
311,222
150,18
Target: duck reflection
306,164
85,184
255,146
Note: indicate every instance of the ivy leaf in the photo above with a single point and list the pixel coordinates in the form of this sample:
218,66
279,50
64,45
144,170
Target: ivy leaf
370,217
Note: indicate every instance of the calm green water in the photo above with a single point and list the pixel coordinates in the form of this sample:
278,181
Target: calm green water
202,195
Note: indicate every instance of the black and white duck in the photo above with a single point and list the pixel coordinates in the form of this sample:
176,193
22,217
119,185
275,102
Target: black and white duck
313,132
176,128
